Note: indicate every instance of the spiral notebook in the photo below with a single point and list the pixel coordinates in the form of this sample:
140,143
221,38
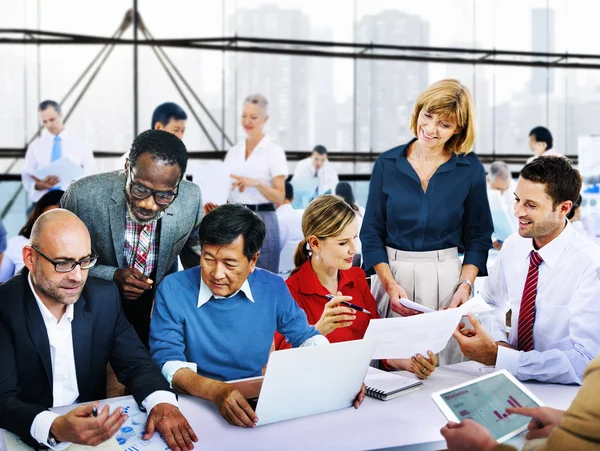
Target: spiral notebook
385,386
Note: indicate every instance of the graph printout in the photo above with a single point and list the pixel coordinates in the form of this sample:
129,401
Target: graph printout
486,401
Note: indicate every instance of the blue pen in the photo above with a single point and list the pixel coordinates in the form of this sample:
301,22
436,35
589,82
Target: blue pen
348,304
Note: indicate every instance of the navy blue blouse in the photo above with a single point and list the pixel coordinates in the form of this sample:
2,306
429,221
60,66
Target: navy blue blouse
454,212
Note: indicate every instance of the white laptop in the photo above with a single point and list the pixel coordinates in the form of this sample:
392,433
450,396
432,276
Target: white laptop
485,401
306,381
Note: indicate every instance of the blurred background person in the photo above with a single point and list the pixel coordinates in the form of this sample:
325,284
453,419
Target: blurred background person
259,169
344,190
501,196
13,258
167,116
290,219
324,267
427,203
541,143
52,146
581,223
2,241
317,166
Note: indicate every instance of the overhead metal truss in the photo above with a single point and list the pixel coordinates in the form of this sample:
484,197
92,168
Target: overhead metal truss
327,49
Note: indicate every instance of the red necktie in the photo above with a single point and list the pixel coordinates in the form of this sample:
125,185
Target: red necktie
527,311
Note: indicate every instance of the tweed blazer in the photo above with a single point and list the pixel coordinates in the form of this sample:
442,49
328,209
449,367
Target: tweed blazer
99,201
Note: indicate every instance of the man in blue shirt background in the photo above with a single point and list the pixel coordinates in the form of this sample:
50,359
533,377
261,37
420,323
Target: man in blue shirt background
2,240
216,322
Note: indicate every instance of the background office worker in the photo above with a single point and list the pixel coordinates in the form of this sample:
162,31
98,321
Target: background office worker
57,334
167,116
259,170
427,202
324,267
140,220
541,143
318,166
52,146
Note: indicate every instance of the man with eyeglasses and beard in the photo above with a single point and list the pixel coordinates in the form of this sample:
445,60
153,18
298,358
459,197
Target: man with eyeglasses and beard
140,220
58,331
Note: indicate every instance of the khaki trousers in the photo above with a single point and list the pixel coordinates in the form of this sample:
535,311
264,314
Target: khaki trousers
429,278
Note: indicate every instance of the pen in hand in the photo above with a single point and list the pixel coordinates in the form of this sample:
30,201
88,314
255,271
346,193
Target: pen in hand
94,411
348,304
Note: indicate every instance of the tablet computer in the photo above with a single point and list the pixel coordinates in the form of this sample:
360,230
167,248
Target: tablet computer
485,401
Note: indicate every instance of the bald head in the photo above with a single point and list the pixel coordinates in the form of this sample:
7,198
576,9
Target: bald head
58,224
58,237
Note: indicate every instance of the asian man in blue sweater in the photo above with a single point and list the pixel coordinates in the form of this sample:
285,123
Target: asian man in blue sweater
216,322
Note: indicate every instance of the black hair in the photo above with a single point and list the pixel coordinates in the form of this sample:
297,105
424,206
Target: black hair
164,112
226,223
50,198
289,191
321,150
162,146
562,180
576,205
542,135
50,103
344,190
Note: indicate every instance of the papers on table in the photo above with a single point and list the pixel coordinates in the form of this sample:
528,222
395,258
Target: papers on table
129,437
63,168
402,338
14,443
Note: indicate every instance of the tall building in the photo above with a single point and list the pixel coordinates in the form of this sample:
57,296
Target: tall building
283,80
542,40
386,90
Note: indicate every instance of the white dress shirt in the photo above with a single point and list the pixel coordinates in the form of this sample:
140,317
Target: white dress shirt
566,336
290,224
266,162
39,154
12,262
204,295
65,390
327,175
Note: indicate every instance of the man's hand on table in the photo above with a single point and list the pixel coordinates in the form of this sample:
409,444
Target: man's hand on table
234,407
467,436
81,427
172,425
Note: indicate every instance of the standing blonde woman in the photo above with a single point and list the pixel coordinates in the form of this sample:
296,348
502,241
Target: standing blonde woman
259,169
324,267
428,203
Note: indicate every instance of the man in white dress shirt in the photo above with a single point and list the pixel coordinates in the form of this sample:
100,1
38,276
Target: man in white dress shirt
290,219
501,195
317,166
57,334
550,277
51,146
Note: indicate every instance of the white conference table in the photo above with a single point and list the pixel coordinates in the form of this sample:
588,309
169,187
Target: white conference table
408,422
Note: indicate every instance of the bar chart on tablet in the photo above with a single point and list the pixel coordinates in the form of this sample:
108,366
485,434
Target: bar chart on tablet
486,402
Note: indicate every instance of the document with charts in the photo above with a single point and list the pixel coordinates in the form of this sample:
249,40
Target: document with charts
129,437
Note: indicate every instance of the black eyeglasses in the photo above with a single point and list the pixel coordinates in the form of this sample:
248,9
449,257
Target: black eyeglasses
142,192
69,265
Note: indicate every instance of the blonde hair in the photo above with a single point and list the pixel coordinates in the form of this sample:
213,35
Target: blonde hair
325,217
450,99
260,101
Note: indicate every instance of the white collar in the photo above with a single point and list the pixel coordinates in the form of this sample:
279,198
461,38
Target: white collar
204,295
46,314
552,251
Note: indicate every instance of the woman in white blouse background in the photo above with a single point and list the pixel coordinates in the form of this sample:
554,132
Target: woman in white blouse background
259,169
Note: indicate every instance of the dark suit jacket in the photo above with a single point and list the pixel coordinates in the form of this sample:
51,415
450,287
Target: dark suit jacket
101,334
99,201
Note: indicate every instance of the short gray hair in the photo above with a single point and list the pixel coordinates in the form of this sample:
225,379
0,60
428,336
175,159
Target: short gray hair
260,101
499,169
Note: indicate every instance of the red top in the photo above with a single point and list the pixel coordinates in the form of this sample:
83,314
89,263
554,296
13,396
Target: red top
309,293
